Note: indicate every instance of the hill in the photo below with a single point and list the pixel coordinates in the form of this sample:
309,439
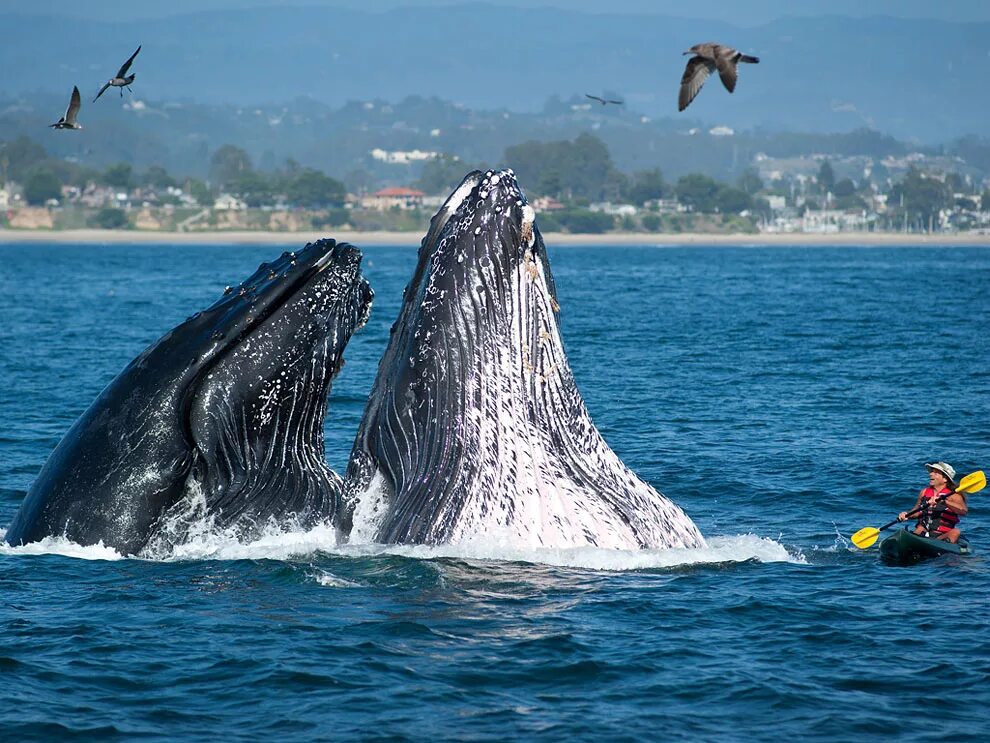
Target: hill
915,79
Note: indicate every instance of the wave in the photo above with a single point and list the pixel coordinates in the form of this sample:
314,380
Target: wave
304,544
60,546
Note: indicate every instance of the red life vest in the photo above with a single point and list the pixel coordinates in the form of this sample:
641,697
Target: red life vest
946,520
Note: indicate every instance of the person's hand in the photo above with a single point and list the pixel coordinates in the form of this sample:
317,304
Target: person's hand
902,516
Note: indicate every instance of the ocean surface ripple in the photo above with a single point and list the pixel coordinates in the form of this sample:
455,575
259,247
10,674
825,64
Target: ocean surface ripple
784,397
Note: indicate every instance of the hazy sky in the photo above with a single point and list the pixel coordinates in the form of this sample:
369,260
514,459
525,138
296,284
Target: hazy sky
739,12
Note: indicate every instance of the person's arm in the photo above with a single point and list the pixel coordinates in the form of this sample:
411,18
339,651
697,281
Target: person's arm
903,515
957,504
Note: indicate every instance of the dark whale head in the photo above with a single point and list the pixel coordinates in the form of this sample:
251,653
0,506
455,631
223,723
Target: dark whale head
475,428
226,409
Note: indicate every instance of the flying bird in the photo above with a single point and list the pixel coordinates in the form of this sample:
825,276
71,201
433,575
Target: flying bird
121,79
68,120
708,58
603,101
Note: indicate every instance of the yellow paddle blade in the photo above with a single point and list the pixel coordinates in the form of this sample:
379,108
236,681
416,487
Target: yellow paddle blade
972,483
865,537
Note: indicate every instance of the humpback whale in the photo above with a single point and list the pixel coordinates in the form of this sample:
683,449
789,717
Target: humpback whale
474,428
227,408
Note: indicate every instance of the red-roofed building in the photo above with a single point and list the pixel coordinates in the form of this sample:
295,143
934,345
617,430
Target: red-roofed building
394,197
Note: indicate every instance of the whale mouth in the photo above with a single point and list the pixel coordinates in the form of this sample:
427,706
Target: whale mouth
263,398
475,427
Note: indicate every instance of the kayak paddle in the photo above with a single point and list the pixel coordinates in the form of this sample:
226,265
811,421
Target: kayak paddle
972,483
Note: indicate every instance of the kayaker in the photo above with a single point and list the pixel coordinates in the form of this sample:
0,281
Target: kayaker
940,506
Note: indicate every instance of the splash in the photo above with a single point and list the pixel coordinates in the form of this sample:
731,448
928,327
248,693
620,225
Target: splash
726,549
60,546
299,544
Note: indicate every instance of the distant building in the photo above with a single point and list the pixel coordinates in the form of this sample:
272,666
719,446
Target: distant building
615,210
402,157
226,202
834,220
546,204
4,198
394,197
665,206
97,197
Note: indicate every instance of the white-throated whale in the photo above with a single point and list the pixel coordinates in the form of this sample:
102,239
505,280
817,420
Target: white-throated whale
228,407
474,428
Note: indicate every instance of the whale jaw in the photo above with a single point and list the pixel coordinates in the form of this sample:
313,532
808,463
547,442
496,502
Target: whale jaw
475,429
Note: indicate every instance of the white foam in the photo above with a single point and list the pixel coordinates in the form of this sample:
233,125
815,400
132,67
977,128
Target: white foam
740,548
61,546
273,545
293,545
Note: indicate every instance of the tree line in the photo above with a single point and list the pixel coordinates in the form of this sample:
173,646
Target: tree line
577,172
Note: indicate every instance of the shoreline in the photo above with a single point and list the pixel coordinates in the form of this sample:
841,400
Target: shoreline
411,239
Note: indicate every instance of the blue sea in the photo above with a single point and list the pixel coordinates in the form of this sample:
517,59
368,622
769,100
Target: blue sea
785,397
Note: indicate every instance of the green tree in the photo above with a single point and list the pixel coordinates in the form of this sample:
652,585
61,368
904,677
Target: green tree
646,185
922,196
585,221
120,175
40,185
359,181
441,174
581,169
228,164
651,222
826,177
158,177
256,189
956,183
109,218
311,188
200,191
697,191
19,156
845,187
730,200
750,181
547,222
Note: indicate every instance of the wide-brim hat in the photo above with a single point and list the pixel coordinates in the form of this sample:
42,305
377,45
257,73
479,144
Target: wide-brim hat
943,467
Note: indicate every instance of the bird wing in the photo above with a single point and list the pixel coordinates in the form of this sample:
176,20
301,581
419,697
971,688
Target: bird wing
74,103
594,97
122,72
102,91
726,62
697,71
616,102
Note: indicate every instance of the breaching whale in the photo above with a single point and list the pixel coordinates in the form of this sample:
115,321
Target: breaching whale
227,409
474,428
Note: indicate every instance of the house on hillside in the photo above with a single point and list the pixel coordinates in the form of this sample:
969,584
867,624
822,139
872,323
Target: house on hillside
226,202
395,197
546,204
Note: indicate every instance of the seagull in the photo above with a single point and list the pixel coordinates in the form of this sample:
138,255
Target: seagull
709,57
68,120
121,79
603,101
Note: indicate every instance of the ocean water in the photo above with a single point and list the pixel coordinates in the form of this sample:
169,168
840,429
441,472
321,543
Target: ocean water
785,397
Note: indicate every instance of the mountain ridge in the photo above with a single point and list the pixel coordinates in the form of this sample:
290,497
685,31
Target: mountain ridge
827,73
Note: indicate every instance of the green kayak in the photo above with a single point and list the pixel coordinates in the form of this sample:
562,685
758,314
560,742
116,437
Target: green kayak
903,547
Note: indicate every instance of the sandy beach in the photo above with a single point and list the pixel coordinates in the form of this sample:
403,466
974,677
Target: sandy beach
90,237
